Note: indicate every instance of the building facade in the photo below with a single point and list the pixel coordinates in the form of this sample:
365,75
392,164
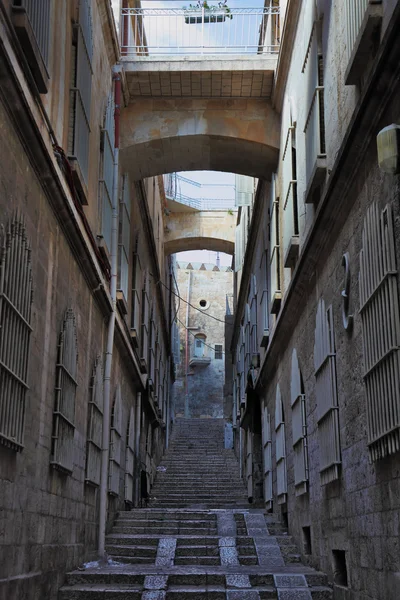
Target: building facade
205,290
67,208
316,337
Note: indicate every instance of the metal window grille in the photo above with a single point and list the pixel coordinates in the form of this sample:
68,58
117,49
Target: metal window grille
81,89
95,426
244,190
145,322
152,350
290,214
299,430
247,340
38,12
106,186
15,330
130,458
355,11
65,392
137,282
267,457
326,393
249,463
125,236
218,352
280,448
115,445
379,301
275,249
253,317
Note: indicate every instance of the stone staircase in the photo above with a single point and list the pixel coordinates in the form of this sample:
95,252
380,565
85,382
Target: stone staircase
183,547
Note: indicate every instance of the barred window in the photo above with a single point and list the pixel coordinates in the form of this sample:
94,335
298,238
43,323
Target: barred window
218,352
106,187
66,384
326,393
115,444
95,426
379,309
15,331
81,89
267,457
144,342
299,430
136,293
280,448
130,458
38,12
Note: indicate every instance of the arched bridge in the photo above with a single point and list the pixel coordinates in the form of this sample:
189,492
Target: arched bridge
203,230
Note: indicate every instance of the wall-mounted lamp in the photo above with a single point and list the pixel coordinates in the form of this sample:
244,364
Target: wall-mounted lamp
388,142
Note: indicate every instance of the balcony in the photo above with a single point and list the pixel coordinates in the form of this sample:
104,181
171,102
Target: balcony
200,361
167,52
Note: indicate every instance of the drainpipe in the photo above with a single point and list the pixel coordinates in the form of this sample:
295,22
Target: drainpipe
111,323
187,348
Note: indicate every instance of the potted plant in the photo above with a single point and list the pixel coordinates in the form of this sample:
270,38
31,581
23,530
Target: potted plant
202,11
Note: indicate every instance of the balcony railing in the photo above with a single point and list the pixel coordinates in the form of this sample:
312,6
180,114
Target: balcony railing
179,31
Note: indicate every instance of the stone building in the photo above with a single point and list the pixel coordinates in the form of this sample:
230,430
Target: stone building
76,351
199,385
316,333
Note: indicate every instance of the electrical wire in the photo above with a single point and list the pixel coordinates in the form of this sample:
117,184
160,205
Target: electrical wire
194,335
186,302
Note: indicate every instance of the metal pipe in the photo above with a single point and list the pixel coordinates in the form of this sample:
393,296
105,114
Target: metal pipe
111,324
187,349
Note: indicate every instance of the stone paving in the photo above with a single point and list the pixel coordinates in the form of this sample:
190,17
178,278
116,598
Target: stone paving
191,553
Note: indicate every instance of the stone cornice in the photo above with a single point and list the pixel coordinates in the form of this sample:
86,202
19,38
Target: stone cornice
285,52
337,202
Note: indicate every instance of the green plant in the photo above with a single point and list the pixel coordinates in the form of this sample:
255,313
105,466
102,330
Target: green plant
230,211
220,6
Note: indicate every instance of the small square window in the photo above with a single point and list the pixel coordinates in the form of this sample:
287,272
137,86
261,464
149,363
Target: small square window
218,352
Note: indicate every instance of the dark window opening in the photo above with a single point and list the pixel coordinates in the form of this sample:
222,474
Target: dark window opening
307,540
339,567
218,351
203,303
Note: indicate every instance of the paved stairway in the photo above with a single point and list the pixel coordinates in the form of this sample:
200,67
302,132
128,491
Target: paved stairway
199,540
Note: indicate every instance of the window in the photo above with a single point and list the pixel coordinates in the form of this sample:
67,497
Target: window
274,249
81,94
130,458
137,282
31,19
299,430
244,190
363,21
15,324
267,457
106,183
145,325
218,352
115,444
379,309
152,350
326,393
124,237
95,426
64,410
199,346
289,182
253,316
281,481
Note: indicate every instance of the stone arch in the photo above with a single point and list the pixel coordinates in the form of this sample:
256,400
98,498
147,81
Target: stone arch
235,135
205,230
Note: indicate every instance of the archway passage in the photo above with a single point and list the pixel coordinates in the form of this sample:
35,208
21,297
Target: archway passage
231,135
205,230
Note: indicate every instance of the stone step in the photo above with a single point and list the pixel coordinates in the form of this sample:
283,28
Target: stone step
131,550
162,531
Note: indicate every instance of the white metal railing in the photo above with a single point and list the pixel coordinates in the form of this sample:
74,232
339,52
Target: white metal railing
355,11
315,131
180,31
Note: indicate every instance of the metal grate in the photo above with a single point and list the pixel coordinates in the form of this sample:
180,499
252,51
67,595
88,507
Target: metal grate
108,174
15,330
130,458
124,237
95,426
81,89
280,448
38,12
267,458
274,248
289,186
379,300
218,352
249,462
115,444
137,282
66,384
145,321
326,393
355,11
299,429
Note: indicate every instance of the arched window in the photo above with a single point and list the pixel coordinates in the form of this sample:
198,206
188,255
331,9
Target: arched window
130,458
115,444
267,457
280,448
379,309
199,345
95,425
15,331
299,431
326,393
66,384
